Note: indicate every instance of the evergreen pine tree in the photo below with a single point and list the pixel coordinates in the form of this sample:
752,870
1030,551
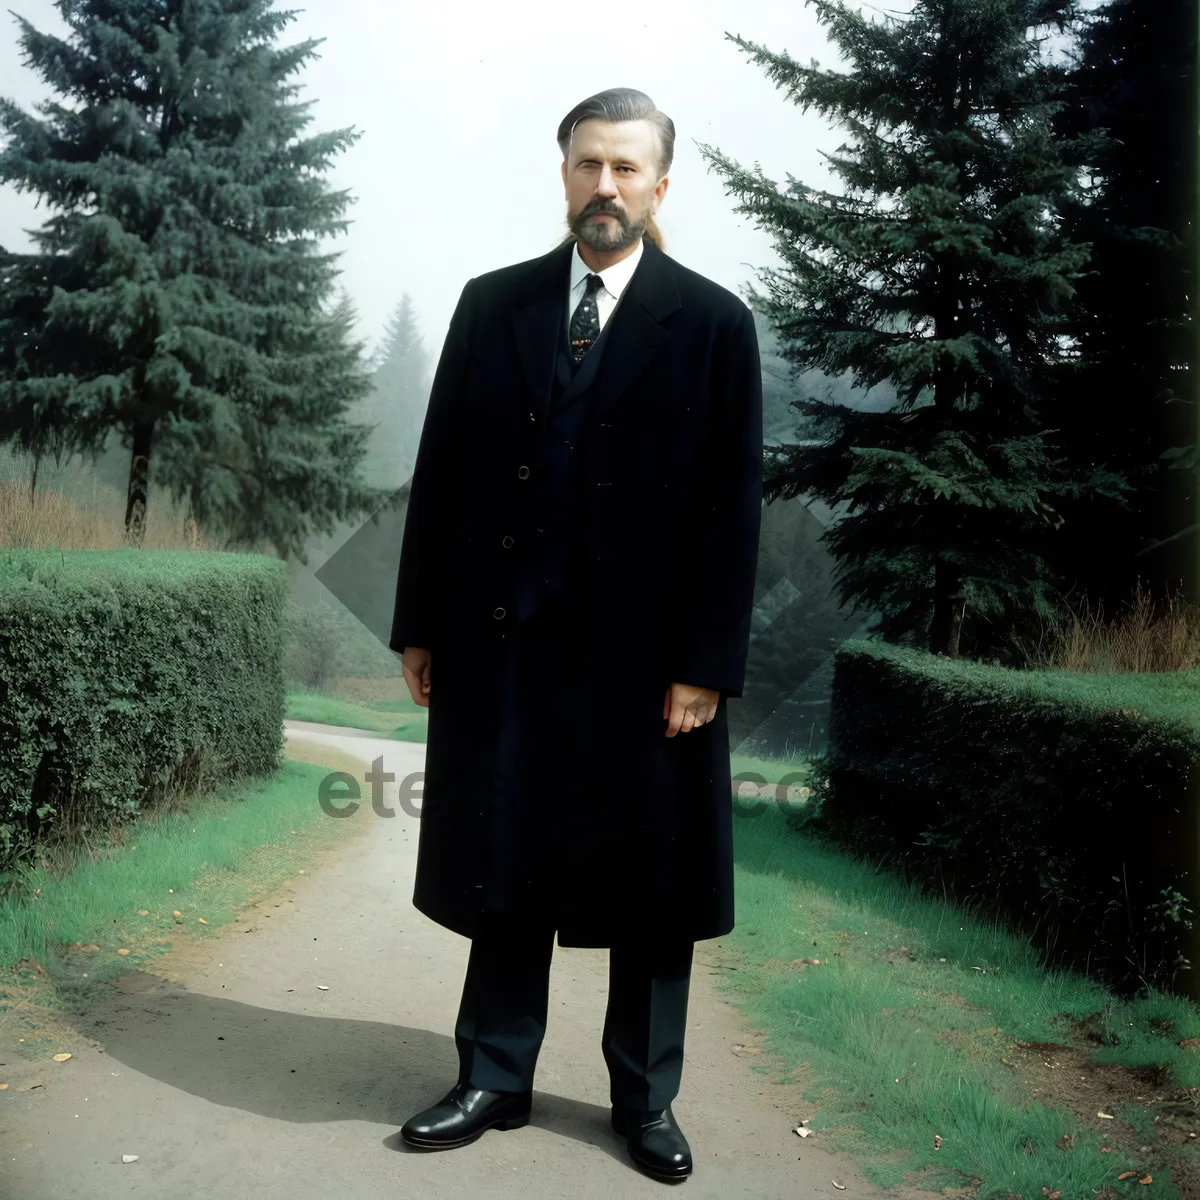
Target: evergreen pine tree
942,271
183,300
279,451
1131,400
399,396
22,301
781,422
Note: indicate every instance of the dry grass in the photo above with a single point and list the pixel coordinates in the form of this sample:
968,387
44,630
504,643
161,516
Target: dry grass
1148,635
67,512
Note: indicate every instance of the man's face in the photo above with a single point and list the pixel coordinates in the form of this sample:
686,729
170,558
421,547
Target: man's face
612,168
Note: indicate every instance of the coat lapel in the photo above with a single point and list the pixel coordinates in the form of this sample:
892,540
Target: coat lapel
634,333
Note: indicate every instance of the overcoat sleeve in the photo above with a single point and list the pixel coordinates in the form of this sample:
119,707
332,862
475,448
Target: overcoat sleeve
431,492
715,592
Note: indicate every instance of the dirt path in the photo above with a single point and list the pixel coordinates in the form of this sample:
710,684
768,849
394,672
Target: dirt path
230,1073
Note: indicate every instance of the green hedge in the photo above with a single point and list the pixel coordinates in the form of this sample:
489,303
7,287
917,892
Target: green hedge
125,675
1065,803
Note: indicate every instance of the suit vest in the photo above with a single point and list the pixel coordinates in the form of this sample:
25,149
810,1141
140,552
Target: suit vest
556,561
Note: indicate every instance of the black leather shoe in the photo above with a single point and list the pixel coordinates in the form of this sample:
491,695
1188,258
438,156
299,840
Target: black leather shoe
656,1143
465,1113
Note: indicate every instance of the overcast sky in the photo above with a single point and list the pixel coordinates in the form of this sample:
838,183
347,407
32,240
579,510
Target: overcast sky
457,171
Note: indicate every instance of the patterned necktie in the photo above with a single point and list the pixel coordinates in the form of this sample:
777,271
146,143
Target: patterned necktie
585,323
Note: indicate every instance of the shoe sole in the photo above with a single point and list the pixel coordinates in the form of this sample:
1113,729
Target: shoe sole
438,1144
658,1172
663,1176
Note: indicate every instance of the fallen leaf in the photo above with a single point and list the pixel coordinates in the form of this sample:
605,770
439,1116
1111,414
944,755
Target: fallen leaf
143,912
90,946
1148,1179
937,1141
841,1187
60,1057
3,1086
1066,1142
1127,1175
803,1132
122,951
322,987
129,1158
202,920
176,913
1106,1116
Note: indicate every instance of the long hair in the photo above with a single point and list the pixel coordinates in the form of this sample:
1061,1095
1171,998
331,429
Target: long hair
623,104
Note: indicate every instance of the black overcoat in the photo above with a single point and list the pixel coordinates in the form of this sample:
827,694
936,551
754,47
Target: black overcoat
671,464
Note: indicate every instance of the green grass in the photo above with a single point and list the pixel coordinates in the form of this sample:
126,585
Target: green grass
771,769
250,834
891,1053
400,720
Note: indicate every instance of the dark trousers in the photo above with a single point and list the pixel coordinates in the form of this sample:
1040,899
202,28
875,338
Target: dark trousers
502,1017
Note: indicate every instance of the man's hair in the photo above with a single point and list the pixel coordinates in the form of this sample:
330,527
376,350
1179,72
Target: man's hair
624,104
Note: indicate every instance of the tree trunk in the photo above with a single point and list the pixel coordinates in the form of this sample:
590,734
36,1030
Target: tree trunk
945,627
135,505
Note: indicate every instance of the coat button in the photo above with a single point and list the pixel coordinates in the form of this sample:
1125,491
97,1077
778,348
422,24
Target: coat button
507,541
522,472
499,614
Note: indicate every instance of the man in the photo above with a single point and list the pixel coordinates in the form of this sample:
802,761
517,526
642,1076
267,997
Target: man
578,559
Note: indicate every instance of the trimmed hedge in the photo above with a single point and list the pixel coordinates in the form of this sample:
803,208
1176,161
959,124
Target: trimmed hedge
1064,803
126,675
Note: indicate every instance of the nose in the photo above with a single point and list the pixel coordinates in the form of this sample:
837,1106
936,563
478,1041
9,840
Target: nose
607,185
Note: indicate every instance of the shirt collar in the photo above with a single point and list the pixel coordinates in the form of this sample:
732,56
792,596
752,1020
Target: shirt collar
615,277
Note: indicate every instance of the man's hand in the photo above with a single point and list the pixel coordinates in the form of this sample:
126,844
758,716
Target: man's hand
416,673
685,707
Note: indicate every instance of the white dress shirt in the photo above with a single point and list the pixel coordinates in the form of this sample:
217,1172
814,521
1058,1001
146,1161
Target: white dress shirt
615,279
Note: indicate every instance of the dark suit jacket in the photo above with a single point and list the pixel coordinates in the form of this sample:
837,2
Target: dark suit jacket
671,471
673,463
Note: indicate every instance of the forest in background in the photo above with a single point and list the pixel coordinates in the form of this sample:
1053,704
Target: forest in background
977,358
